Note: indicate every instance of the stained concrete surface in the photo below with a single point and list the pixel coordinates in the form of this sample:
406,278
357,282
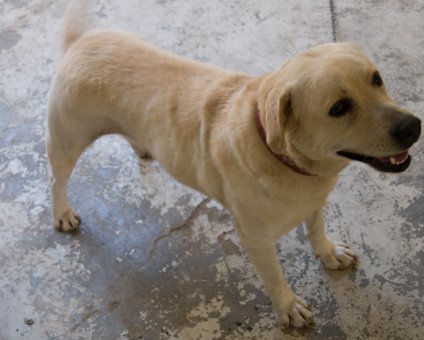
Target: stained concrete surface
155,260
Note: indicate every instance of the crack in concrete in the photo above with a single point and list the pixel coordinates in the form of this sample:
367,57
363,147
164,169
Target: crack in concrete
333,20
186,223
84,319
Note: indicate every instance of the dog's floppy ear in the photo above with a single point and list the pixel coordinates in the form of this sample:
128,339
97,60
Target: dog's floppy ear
277,110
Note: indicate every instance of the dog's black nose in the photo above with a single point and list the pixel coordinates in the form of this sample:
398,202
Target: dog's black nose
406,131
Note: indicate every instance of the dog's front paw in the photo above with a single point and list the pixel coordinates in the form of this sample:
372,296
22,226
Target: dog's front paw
340,257
67,221
297,314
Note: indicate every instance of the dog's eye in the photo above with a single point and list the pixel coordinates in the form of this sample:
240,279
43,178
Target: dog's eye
341,107
376,79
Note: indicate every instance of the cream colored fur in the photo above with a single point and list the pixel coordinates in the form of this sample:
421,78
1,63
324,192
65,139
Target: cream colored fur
198,121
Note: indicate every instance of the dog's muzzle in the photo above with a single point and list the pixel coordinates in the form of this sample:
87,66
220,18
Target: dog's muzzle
405,132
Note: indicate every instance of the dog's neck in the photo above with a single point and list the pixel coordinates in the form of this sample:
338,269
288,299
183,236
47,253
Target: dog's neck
287,161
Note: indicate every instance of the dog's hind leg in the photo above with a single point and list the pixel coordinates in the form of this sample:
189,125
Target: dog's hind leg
65,142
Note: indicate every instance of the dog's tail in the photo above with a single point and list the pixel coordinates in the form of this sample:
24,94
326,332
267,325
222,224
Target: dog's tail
75,22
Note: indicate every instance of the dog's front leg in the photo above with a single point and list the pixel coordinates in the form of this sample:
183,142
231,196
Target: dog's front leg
289,308
334,255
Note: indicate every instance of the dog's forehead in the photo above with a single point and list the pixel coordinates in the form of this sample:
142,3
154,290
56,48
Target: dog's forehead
336,62
333,49
346,56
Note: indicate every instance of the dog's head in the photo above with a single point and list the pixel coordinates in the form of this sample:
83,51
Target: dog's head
329,105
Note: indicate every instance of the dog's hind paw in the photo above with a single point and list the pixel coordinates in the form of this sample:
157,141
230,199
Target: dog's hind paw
67,221
341,257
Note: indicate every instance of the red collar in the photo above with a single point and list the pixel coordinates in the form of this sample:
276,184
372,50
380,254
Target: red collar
282,158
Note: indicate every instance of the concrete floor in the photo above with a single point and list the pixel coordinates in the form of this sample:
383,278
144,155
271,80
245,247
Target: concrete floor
155,260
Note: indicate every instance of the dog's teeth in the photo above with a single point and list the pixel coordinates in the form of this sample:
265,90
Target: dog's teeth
393,161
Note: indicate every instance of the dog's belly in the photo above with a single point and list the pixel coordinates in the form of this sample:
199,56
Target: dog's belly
192,170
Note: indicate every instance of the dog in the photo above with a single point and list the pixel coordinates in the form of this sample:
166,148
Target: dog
268,148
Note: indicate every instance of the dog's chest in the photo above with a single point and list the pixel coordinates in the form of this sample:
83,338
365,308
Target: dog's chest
281,207
293,209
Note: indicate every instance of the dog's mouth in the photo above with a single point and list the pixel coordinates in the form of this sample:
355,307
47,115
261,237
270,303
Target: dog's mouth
395,163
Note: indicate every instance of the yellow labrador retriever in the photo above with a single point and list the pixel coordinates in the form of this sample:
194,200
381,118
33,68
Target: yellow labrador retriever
268,148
